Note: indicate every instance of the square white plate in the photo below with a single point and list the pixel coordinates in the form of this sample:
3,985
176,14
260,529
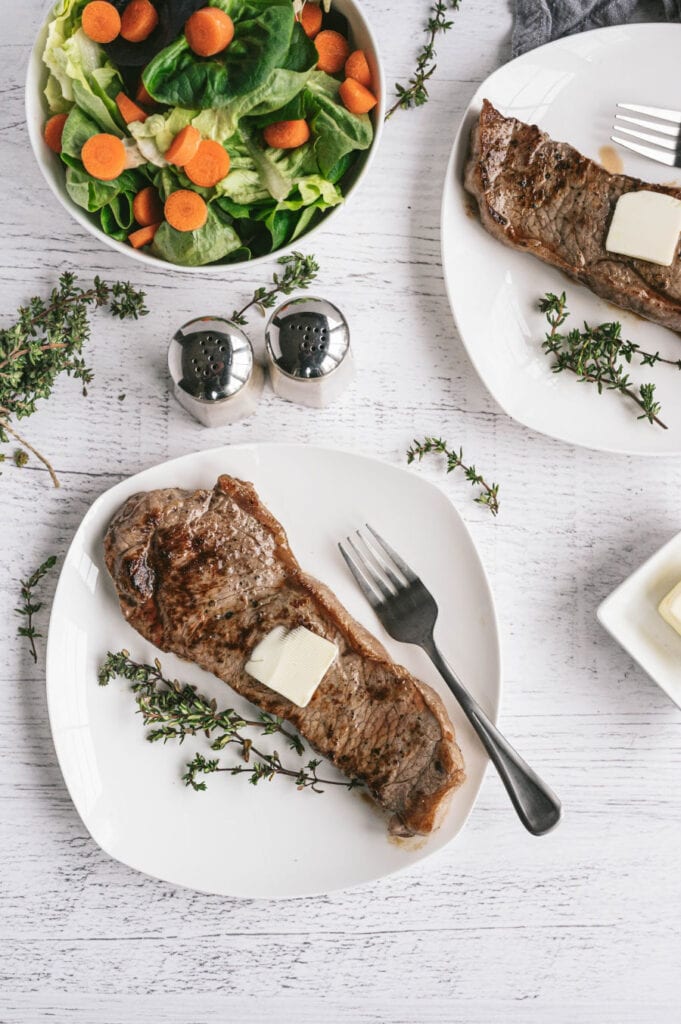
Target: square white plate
630,615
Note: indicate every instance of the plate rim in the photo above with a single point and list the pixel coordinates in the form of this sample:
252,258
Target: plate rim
244,448
449,177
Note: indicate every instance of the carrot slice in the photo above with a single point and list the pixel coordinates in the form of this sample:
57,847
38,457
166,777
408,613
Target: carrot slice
103,156
143,236
311,19
333,50
356,98
142,96
101,22
53,130
209,31
357,67
129,111
147,207
138,21
184,146
209,166
185,210
286,134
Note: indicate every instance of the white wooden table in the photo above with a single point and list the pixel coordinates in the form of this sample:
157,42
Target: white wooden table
582,925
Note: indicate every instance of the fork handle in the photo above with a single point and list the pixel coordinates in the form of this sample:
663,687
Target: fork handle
537,806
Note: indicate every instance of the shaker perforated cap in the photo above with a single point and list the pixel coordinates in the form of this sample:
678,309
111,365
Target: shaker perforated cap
212,367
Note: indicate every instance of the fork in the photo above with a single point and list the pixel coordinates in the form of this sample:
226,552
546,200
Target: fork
665,146
408,612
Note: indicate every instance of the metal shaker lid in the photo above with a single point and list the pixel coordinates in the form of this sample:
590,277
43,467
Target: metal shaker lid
307,337
210,359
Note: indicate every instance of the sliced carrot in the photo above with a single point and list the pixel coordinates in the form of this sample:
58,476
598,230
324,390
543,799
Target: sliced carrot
103,156
129,110
356,98
209,31
142,96
101,22
143,236
311,19
147,207
185,210
333,50
138,21
286,134
209,166
357,67
184,146
53,130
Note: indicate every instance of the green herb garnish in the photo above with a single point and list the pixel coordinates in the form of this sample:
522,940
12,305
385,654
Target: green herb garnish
299,272
415,92
47,340
29,606
599,355
489,494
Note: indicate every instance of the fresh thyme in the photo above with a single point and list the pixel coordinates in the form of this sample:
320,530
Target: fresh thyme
415,92
47,340
599,355
489,493
299,272
29,606
176,710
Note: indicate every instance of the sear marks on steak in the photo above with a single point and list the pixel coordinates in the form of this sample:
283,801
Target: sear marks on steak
207,574
546,198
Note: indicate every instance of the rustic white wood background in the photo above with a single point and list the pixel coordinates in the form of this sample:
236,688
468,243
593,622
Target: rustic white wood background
583,925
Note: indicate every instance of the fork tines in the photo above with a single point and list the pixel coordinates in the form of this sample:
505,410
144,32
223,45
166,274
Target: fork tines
379,571
665,144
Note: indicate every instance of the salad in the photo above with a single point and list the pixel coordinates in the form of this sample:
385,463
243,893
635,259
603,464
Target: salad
205,132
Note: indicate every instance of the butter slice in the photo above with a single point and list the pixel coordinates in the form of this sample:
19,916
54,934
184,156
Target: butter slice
670,608
292,663
646,225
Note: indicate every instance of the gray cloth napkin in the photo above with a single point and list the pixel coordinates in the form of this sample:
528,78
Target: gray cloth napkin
540,21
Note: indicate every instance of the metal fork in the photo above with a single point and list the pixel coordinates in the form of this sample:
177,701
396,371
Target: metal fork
665,145
408,612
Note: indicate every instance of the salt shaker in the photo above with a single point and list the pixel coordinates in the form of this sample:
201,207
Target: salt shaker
307,342
215,377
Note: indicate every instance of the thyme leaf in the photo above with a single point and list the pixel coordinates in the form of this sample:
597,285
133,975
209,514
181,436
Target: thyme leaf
600,356
47,340
415,92
489,493
299,272
29,606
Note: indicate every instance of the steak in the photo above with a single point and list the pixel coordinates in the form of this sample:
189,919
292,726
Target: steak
546,198
207,575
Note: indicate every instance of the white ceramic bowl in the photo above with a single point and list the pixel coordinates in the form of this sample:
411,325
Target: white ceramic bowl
53,169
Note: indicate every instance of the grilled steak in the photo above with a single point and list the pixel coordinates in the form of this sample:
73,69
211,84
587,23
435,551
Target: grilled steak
207,574
546,198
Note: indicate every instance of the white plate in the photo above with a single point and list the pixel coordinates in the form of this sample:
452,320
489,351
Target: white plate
630,615
53,169
234,839
570,88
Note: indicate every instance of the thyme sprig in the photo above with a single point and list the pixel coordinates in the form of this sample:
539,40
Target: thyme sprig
415,92
29,606
299,272
599,355
489,493
47,340
176,710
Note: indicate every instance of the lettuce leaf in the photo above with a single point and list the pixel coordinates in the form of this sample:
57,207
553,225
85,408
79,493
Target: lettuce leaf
211,243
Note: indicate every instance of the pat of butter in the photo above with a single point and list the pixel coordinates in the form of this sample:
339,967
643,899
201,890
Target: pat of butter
670,608
293,664
646,225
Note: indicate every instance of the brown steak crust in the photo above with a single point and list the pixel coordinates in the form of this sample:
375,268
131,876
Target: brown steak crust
207,574
546,198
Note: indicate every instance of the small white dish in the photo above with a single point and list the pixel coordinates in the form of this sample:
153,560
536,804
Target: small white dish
270,841
630,615
570,88
53,169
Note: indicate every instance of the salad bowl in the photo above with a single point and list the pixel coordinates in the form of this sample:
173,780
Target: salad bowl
54,169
